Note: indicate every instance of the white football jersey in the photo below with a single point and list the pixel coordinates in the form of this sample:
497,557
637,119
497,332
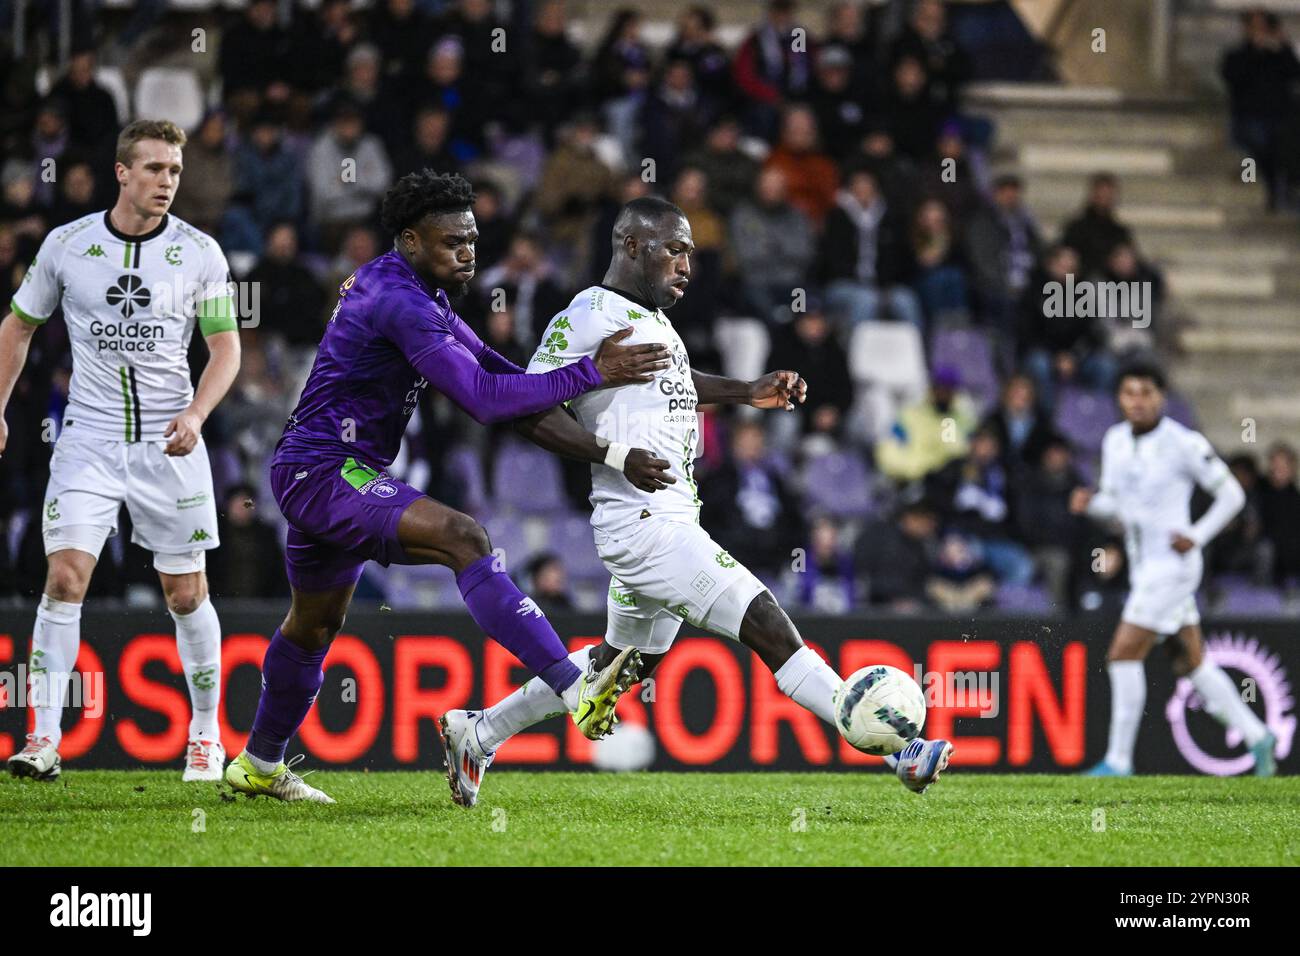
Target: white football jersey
658,416
1147,482
130,304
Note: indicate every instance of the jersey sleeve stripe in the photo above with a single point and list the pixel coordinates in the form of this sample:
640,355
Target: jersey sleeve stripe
29,319
216,315
126,403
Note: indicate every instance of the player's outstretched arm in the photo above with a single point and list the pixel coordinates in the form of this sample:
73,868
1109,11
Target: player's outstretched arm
556,431
15,337
774,390
182,432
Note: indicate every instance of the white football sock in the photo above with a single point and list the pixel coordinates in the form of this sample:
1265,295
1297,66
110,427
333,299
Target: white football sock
1223,701
530,704
56,640
198,639
1128,697
810,682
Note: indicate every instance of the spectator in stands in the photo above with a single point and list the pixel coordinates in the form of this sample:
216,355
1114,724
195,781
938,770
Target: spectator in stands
19,207
837,103
846,28
962,580
1280,511
976,499
928,40
696,43
360,245
729,169
621,74
530,286
551,73
255,61
899,557
929,433
1101,579
92,111
475,25
1240,548
50,140
1065,348
76,196
770,68
209,177
548,583
404,32
672,118
1004,247
495,225
863,256
1043,516
1022,430
747,503
896,174
1096,230
811,176
630,186
291,298
429,147
1124,265
773,245
268,177
321,45
908,110
826,582
696,315
385,111
249,564
1261,74
938,266
807,344
348,172
445,85
574,182
954,175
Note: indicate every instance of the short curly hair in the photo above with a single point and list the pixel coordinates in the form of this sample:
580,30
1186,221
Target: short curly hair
424,193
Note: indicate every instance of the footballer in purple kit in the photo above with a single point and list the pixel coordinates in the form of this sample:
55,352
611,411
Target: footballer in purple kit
393,334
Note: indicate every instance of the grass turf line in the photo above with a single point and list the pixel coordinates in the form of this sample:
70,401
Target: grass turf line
145,818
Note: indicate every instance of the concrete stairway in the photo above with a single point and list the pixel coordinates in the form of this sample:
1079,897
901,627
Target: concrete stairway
1233,269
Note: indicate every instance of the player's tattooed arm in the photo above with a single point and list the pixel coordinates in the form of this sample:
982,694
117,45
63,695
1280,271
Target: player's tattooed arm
781,389
556,431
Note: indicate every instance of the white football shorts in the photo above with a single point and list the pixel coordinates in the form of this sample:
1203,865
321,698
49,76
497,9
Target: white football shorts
170,499
664,571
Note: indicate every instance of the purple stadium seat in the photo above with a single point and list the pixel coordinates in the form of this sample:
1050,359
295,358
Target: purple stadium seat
465,466
971,351
1083,415
527,479
1241,597
1180,409
509,536
570,538
838,484
1024,599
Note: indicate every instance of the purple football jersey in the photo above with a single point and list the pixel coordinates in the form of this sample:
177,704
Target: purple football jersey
389,337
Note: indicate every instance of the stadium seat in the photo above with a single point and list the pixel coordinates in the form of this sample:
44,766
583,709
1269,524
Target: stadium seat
111,79
971,351
1239,596
744,346
1023,599
570,537
887,360
509,537
173,93
1083,415
838,484
527,480
466,468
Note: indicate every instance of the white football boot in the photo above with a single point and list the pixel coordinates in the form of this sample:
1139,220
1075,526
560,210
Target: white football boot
921,762
39,760
466,760
205,760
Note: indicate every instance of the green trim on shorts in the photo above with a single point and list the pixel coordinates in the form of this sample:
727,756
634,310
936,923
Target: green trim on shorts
357,474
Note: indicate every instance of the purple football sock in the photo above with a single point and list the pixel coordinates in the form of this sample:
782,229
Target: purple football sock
291,679
516,623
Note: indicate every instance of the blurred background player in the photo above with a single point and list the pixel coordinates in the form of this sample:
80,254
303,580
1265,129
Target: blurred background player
665,568
1149,465
125,278
392,334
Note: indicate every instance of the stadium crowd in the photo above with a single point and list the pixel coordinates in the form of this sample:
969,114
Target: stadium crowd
848,223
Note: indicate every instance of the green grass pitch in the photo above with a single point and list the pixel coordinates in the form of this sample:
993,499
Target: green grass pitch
815,819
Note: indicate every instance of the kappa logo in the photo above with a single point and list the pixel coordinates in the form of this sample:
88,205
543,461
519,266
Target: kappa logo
95,251
529,606
199,535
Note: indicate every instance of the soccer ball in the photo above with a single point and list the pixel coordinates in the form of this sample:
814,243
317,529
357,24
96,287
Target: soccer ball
879,709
